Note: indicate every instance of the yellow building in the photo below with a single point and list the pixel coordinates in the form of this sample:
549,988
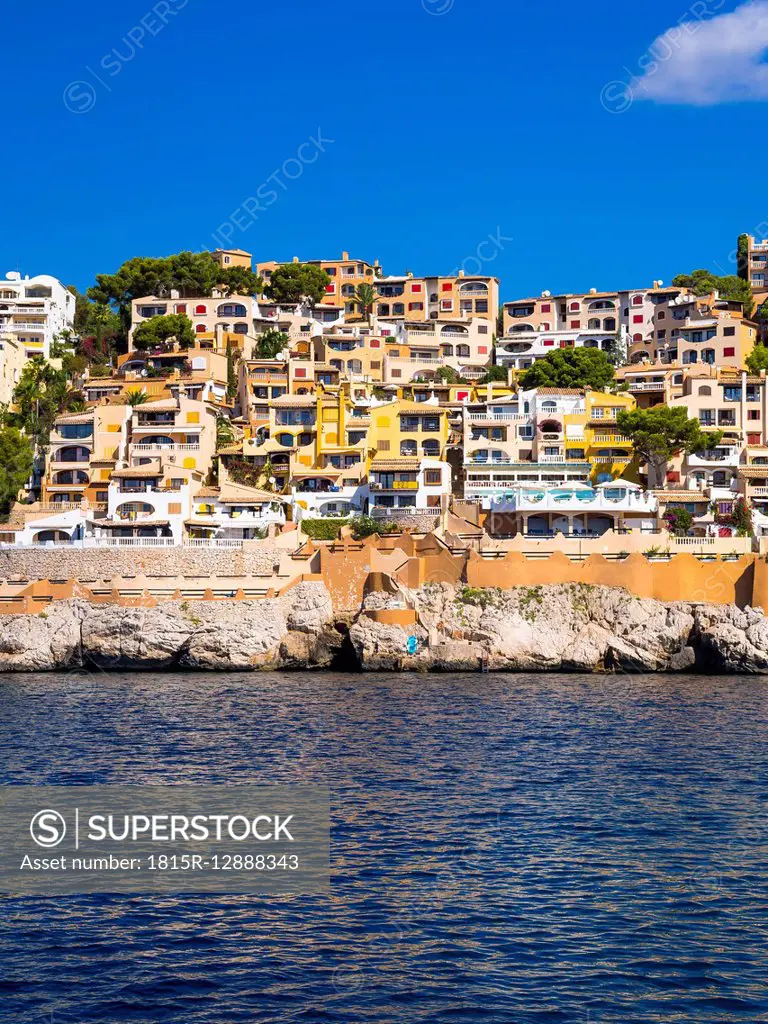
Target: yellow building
591,435
84,450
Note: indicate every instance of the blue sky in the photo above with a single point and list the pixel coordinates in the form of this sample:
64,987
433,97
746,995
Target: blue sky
448,126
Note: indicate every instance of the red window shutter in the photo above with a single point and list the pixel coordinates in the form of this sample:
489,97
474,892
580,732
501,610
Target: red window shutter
201,309
673,476
482,350
182,308
637,300
447,287
575,324
546,308
375,343
548,341
301,373
753,439
575,307
637,318
330,289
415,287
729,351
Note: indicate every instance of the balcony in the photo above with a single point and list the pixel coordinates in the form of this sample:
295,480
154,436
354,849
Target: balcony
647,386
610,439
395,485
495,417
615,457
143,449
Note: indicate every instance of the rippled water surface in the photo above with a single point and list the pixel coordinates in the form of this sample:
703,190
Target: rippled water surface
504,849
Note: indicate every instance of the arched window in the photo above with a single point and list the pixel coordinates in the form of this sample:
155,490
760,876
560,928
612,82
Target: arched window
398,309
200,328
637,300
575,307
462,351
430,448
241,328
383,309
705,390
408,448
447,350
593,325
201,310
610,324
637,337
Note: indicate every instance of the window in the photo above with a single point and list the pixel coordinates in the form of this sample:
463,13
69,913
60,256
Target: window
446,305
637,300
637,318
415,287
201,310
447,287
481,305
729,351
575,307
482,350
397,373
300,372
415,305
374,343
546,307
637,337
181,308
729,332
331,271
547,342
482,329
383,309
330,289
398,309
753,414
661,315
200,328
382,446
432,477
575,325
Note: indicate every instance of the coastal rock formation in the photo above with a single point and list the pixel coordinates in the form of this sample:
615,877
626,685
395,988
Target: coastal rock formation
563,627
294,630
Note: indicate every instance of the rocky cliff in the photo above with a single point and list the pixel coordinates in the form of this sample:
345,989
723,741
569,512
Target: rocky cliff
568,627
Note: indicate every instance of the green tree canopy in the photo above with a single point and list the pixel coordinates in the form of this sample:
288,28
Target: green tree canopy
449,376
160,328
742,251
757,359
189,273
297,282
271,343
659,432
40,395
136,397
570,368
495,374
731,286
16,458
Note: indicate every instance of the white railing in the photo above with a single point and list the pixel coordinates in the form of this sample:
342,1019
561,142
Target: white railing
23,325
647,386
610,439
124,542
382,512
479,417
165,447
614,457
212,542
759,492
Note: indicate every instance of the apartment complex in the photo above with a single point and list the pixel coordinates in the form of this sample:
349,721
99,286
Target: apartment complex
658,325
404,298
34,310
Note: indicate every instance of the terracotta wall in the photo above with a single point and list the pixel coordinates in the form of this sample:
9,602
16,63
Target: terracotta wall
683,578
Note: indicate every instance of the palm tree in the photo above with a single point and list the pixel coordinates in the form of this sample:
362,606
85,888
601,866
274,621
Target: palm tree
364,296
225,434
136,397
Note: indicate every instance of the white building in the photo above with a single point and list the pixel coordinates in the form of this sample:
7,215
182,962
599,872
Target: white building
34,310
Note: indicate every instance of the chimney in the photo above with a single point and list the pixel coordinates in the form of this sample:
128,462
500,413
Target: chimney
461,273
295,259
658,284
345,255
593,291
375,263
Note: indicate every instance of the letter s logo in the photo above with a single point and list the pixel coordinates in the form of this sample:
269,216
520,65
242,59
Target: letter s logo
48,828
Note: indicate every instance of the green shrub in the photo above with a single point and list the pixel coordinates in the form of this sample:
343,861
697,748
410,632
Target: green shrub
366,526
481,597
323,529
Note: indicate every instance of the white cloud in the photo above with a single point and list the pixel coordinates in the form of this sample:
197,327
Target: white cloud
706,59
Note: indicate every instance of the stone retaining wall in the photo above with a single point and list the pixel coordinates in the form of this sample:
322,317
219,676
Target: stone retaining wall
105,563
